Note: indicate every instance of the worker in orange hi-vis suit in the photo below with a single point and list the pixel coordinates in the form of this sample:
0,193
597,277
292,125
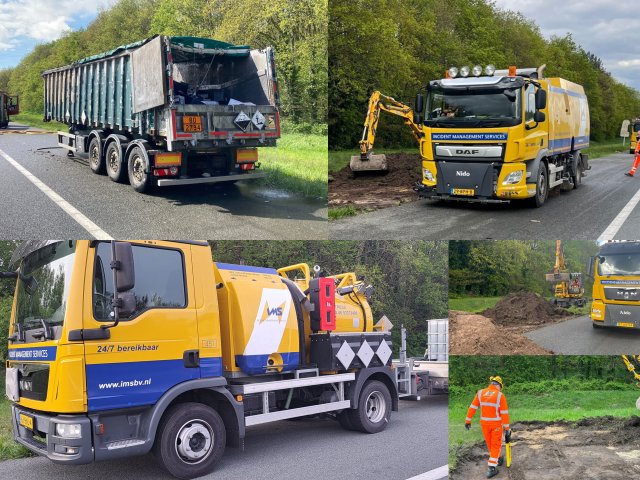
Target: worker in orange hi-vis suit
494,417
636,161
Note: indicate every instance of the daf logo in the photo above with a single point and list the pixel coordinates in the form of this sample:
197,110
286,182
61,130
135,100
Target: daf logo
625,312
462,173
463,151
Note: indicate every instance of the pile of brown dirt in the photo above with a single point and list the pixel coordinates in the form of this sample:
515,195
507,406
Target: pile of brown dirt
375,190
472,334
604,447
524,308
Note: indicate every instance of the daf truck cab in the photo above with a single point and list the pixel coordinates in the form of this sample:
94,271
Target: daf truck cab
120,348
616,285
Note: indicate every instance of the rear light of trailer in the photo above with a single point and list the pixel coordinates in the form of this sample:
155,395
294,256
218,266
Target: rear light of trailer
165,172
168,159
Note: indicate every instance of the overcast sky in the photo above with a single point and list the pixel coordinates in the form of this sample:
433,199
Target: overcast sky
25,23
608,28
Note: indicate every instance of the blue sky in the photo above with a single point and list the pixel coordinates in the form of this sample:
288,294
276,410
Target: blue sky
608,28
25,23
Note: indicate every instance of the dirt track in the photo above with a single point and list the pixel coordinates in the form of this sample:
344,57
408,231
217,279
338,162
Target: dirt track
605,448
372,191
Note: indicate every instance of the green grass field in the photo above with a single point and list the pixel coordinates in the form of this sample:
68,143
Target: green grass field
8,448
35,120
547,407
608,147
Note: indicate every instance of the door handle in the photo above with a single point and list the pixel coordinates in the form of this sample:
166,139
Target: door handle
191,358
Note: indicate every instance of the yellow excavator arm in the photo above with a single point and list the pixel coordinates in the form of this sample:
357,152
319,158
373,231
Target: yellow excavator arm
379,102
632,363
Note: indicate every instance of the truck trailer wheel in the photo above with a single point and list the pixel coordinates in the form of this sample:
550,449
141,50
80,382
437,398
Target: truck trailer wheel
542,186
139,170
374,408
96,159
190,440
113,161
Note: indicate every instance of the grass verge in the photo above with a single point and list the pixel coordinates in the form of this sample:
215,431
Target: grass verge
35,120
8,447
547,407
298,164
608,147
342,212
473,304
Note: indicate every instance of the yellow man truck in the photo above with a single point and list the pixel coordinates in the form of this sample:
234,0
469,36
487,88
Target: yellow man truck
492,138
120,348
616,285
8,106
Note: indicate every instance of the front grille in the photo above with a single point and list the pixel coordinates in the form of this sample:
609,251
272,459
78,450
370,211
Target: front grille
33,381
468,148
622,294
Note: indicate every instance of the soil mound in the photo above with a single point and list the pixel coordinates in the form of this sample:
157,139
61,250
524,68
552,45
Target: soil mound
524,308
375,190
472,334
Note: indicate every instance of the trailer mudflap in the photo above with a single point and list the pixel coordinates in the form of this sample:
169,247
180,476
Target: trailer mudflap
465,179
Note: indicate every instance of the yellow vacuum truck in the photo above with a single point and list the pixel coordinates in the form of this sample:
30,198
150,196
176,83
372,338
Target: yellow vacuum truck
120,348
505,135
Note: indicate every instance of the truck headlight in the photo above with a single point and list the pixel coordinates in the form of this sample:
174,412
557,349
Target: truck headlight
68,430
513,178
426,173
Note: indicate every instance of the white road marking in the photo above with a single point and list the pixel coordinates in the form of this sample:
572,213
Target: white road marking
614,226
435,474
93,229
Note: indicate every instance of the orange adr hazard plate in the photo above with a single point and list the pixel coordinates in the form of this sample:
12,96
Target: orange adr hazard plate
191,123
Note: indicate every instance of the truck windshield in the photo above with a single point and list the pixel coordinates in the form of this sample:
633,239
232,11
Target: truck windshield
46,300
624,264
473,108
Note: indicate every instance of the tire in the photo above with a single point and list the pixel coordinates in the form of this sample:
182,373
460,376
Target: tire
96,158
4,125
542,186
114,163
344,420
374,408
577,177
596,325
204,429
138,169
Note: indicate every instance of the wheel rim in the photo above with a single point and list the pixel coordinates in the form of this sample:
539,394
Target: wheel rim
376,407
138,168
114,160
194,441
94,155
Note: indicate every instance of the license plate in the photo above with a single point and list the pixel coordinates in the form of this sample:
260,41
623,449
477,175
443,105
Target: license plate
26,421
626,325
191,123
469,192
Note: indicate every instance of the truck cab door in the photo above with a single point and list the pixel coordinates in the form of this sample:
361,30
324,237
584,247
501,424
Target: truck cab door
156,347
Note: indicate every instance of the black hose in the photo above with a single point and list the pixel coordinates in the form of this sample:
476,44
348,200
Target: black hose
298,298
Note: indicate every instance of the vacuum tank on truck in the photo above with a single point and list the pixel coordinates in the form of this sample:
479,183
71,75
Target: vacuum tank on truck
168,110
120,348
616,285
8,106
510,134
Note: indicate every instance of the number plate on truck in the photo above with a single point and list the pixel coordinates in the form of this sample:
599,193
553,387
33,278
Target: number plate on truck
26,421
626,325
463,191
191,123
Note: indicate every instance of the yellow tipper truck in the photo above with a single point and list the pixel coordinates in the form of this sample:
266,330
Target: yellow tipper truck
120,348
616,285
506,135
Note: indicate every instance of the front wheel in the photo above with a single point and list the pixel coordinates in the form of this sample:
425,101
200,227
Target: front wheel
139,170
596,325
374,408
190,440
542,186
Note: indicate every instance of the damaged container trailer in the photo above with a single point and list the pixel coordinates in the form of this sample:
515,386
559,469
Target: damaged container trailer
168,110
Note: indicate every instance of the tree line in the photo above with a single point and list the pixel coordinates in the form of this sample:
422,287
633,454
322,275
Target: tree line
498,267
297,29
398,46
409,278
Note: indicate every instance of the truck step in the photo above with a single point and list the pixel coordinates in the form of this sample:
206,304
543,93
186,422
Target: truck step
124,444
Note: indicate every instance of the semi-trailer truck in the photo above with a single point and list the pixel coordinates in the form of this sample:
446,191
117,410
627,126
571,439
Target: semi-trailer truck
616,285
168,110
120,348
9,105
506,135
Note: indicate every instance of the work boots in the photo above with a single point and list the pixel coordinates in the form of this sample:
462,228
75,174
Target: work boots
500,461
492,472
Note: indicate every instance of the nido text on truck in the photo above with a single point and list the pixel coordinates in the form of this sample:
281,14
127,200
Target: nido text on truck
120,348
510,134
168,110
616,285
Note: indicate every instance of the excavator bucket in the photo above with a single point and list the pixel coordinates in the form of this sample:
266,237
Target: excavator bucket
373,163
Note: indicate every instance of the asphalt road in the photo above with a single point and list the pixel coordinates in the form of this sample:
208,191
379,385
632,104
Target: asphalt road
241,211
584,213
578,337
414,442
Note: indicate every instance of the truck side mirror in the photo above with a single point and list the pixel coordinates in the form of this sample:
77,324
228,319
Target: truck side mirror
122,264
419,104
590,265
539,116
541,99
